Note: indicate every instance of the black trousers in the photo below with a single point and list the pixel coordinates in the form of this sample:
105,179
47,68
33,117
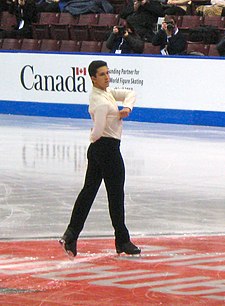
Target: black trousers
104,162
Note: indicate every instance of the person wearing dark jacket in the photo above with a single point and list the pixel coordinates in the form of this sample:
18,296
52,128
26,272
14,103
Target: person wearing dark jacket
26,14
143,15
169,38
124,40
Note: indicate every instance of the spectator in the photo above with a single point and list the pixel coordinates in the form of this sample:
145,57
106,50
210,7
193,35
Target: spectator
169,38
48,5
177,7
26,13
216,8
77,7
124,40
143,15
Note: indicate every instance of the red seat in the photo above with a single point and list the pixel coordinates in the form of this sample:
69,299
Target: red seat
67,18
101,31
189,22
41,30
108,19
149,48
91,46
50,45
11,44
197,47
213,50
59,31
216,21
70,46
48,18
88,19
79,32
104,49
8,21
30,44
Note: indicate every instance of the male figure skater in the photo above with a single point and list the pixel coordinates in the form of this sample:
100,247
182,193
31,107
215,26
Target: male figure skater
104,161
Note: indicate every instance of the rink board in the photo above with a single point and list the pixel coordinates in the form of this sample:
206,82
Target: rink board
171,271
180,90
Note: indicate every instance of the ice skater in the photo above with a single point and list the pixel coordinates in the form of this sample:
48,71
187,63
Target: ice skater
104,161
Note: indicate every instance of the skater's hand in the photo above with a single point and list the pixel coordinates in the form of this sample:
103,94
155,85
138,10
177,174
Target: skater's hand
124,113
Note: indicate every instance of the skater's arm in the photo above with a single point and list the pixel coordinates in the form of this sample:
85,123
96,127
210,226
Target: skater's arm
99,118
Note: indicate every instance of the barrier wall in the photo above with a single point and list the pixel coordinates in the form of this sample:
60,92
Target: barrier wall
182,90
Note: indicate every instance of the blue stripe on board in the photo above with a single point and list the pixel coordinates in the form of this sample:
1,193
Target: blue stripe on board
156,115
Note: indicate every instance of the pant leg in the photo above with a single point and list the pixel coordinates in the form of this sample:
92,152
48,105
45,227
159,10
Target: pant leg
87,195
114,177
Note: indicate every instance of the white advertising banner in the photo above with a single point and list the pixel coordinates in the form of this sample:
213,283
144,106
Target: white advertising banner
160,82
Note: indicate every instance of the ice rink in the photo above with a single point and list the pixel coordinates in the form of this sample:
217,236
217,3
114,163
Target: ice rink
175,178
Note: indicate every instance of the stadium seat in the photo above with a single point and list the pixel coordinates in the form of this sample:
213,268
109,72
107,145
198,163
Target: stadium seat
67,18
100,31
91,46
188,22
59,31
197,47
216,21
41,30
11,44
104,49
50,45
213,50
30,44
149,48
70,46
8,21
79,32
88,19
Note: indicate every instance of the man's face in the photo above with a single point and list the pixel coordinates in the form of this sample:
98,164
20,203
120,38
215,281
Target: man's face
101,80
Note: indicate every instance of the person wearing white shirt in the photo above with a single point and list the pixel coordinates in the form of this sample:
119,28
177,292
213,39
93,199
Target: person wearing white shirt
105,161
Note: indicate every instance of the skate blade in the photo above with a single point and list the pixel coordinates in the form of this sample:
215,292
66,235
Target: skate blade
68,252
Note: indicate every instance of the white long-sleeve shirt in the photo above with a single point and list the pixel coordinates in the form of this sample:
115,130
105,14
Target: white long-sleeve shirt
104,111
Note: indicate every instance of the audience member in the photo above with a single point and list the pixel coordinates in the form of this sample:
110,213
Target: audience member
216,8
26,13
169,38
177,7
124,40
77,7
48,5
143,15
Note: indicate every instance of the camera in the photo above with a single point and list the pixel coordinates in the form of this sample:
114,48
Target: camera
170,26
121,30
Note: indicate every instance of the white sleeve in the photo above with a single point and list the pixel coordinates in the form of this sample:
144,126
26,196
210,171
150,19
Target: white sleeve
99,118
127,97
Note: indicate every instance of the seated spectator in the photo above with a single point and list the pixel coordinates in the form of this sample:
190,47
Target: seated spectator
124,40
177,7
48,5
26,13
217,8
143,15
77,7
169,38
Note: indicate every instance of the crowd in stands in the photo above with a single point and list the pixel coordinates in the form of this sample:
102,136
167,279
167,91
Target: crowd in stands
167,27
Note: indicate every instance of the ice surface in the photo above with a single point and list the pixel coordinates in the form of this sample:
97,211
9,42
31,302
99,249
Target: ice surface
174,178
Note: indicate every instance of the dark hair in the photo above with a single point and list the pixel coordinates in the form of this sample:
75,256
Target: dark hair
93,67
170,18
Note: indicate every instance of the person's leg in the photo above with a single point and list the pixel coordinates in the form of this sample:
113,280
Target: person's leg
114,177
83,203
